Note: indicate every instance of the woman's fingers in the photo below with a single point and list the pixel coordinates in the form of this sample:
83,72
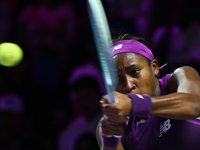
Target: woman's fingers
110,128
117,112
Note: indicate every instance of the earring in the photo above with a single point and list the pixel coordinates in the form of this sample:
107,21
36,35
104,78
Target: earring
156,72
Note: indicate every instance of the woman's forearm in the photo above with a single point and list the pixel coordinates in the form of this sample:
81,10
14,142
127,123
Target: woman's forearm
101,145
176,106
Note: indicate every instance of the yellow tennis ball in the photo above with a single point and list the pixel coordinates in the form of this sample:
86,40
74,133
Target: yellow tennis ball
10,54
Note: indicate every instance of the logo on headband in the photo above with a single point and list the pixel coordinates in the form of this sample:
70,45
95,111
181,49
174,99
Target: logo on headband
117,47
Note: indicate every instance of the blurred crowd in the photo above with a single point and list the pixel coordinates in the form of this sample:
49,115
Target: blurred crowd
50,100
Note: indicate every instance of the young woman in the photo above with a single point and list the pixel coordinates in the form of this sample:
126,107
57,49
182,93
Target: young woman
149,113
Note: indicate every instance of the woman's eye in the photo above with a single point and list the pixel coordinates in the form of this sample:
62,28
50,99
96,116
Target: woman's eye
134,72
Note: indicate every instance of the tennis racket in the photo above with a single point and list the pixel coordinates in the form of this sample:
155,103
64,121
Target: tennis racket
102,39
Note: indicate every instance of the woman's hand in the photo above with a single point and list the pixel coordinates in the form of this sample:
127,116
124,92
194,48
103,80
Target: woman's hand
109,128
118,111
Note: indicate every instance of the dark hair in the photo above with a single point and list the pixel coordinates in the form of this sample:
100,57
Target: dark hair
117,38
130,37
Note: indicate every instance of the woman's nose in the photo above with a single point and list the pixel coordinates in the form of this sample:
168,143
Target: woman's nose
129,84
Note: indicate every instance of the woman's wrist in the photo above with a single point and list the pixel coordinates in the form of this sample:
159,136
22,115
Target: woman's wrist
141,105
110,141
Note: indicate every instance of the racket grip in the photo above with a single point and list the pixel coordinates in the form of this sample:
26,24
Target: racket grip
111,98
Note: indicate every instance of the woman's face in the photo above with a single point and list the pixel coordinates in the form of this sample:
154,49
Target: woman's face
136,75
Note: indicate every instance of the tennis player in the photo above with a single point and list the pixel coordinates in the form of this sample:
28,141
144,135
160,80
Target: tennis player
150,113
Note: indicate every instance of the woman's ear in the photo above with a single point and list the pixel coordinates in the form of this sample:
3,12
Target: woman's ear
154,65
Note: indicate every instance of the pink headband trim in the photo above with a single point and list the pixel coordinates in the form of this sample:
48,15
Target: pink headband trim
132,46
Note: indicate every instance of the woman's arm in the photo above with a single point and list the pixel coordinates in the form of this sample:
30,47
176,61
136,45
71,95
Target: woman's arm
103,127
176,106
184,102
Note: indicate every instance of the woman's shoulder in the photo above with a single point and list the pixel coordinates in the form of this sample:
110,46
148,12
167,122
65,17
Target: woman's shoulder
183,76
183,69
184,72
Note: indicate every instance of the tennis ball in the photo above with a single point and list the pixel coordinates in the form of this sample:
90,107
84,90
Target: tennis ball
10,54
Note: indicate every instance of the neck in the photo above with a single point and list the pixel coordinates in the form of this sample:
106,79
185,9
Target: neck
157,91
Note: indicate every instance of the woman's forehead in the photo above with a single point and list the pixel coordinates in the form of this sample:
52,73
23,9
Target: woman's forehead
128,59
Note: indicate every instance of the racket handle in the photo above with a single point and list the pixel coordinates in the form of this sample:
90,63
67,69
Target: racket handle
111,98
